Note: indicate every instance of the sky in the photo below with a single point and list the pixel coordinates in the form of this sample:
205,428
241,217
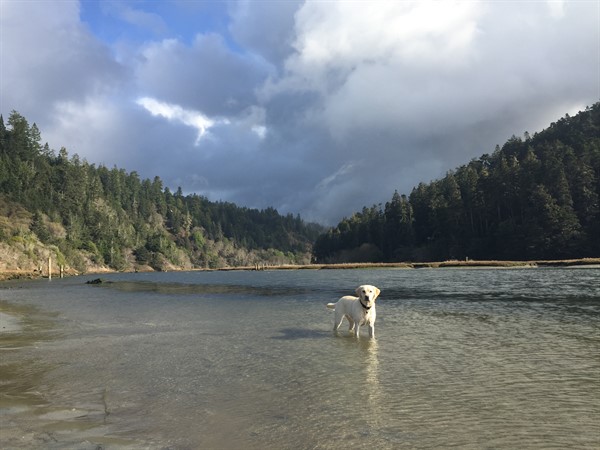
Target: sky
316,108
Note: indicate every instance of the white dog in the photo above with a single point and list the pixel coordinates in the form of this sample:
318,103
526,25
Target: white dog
358,310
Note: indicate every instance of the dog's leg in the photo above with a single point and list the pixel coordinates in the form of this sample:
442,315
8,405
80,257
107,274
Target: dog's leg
357,331
372,330
338,321
350,323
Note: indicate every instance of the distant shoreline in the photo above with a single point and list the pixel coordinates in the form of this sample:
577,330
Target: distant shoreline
431,265
6,275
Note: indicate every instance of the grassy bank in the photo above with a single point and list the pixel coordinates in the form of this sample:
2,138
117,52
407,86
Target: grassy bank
433,265
25,274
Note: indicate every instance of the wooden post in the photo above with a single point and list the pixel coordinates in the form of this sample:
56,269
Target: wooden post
49,267
62,271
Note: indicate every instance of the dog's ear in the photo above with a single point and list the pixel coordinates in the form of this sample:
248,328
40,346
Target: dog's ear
377,292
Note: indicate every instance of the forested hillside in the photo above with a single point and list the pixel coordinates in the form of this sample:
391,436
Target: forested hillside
92,217
537,197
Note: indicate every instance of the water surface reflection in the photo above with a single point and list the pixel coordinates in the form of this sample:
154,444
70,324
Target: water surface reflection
467,359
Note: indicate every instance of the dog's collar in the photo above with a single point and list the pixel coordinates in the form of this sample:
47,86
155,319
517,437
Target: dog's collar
363,305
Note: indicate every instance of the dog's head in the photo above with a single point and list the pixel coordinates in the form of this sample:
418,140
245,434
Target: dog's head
367,294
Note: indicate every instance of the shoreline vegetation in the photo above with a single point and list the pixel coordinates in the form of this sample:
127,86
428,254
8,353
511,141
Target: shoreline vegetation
532,203
6,275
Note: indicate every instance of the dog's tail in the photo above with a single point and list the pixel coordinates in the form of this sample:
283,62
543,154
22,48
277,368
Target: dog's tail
331,305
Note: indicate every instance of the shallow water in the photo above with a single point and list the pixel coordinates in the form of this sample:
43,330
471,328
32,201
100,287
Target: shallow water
463,358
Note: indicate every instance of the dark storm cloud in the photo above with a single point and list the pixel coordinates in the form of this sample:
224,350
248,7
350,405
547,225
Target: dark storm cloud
266,28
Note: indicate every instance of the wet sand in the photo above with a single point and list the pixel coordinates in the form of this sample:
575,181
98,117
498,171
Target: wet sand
27,416
19,378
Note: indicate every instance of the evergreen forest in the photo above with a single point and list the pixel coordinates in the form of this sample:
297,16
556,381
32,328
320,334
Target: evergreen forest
535,198
90,217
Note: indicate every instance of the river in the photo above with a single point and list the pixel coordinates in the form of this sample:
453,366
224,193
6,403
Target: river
464,358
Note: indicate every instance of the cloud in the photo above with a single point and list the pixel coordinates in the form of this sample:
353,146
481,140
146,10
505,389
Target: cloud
206,76
313,107
420,87
424,67
556,8
344,34
265,28
137,17
193,119
49,56
331,179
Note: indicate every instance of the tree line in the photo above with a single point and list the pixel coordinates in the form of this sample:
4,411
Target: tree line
116,218
536,197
